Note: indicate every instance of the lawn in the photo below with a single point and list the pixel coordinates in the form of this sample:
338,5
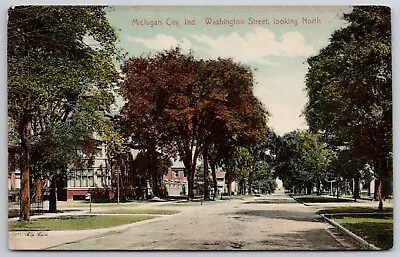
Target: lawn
375,230
367,222
75,222
94,205
12,213
354,209
139,211
319,199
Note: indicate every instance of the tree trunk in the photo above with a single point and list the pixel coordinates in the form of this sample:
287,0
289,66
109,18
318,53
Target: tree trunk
53,196
215,181
153,168
25,136
319,187
356,188
206,175
229,184
190,177
376,189
251,175
39,190
337,188
309,188
387,179
154,184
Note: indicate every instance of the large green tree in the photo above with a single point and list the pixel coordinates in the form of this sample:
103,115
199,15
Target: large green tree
60,64
303,160
349,85
264,180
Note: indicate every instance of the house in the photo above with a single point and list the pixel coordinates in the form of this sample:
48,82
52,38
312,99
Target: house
175,182
103,179
96,177
223,184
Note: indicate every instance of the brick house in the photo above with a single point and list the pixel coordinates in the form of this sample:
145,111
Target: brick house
175,181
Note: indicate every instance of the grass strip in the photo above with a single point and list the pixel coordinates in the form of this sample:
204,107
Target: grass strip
75,222
320,199
139,211
376,231
354,209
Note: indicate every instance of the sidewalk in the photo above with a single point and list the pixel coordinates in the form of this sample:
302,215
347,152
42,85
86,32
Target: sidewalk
351,202
41,240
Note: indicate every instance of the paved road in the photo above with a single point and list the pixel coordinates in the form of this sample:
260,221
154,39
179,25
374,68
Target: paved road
273,222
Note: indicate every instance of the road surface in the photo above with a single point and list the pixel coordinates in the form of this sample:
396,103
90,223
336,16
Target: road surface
274,222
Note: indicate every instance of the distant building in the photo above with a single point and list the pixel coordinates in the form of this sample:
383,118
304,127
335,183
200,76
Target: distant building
175,182
222,187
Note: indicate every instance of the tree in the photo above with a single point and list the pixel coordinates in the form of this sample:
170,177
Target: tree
231,113
303,160
288,167
349,85
55,152
263,178
240,165
160,112
179,104
53,74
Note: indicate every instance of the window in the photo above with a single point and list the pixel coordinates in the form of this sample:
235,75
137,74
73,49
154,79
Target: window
84,178
99,181
99,177
78,178
90,178
99,152
71,181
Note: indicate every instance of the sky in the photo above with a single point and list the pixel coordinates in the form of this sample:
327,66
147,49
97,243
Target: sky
274,41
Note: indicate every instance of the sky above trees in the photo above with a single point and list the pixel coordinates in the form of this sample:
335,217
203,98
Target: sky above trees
277,52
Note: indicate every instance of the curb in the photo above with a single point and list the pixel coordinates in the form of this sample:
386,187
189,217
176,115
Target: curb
351,234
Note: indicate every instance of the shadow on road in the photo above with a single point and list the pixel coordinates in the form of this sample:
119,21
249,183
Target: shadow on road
313,239
272,201
281,214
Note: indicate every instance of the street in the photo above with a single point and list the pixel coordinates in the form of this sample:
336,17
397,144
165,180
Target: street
273,222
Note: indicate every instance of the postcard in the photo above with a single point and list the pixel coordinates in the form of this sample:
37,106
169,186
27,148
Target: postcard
200,128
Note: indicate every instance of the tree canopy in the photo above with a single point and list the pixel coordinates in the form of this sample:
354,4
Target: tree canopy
303,160
181,104
349,85
60,70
